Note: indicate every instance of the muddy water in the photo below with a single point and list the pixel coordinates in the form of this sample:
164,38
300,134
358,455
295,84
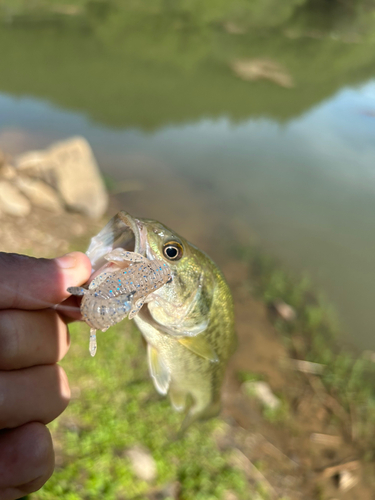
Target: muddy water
220,159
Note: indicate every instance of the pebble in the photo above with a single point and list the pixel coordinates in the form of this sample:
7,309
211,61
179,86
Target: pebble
347,480
284,310
142,462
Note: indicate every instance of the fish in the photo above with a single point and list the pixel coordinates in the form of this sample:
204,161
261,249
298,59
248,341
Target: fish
187,324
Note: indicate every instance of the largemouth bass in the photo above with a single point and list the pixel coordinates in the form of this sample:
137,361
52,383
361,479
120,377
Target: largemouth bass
188,323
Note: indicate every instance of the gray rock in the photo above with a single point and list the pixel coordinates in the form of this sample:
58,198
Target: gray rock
142,462
39,193
13,202
69,166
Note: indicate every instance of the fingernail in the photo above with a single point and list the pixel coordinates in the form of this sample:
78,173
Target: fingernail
67,261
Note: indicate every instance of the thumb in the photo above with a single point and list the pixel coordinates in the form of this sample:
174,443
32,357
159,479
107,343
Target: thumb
30,283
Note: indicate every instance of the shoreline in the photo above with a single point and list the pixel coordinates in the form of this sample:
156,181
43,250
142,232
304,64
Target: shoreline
321,431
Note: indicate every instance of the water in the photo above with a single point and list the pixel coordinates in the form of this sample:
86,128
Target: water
293,168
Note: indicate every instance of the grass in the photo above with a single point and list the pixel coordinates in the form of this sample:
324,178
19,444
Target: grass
115,407
314,335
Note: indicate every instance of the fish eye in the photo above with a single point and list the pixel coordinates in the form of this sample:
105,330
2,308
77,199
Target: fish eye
173,250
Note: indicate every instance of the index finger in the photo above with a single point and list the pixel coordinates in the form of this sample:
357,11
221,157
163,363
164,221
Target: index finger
30,283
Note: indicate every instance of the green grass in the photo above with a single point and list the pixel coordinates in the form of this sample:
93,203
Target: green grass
117,407
314,336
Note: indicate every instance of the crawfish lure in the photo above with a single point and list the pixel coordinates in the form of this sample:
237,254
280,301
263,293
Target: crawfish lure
119,291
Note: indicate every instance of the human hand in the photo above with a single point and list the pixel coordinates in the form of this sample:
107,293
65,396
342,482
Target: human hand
34,390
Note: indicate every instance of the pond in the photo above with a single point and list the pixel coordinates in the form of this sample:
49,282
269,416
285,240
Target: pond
288,162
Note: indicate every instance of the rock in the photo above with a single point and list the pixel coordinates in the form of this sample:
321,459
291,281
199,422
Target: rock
326,439
7,171
262,69
39,193
262,391
347,480
37,164
342,474
284,310
143,464
69,166
307,366
13,202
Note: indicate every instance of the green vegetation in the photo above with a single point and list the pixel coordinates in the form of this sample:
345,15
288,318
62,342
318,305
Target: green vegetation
348,377
117,407
149,64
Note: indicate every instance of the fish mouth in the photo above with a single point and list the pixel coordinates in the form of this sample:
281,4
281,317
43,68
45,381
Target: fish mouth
122,231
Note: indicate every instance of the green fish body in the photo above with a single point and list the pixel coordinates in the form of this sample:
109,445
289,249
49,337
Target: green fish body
188,323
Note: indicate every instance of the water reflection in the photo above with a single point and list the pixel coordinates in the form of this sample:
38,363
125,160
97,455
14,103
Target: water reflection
305,187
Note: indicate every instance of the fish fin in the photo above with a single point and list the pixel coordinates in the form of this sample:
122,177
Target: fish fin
121,257
136,308
158,370
199,345
178,399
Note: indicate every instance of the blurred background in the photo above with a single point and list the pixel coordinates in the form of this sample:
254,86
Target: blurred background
248,126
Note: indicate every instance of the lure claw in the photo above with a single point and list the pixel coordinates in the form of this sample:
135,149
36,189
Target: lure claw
92,343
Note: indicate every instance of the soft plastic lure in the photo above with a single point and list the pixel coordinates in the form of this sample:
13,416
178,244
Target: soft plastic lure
117,292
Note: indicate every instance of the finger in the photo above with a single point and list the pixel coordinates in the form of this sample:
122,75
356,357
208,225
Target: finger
38,394
29,283
26,460
30,338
